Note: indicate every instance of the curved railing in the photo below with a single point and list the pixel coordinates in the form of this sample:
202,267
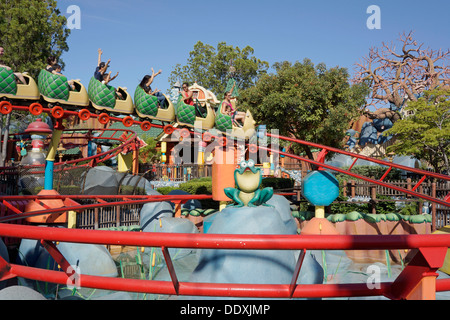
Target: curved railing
126,138
417,280
422,268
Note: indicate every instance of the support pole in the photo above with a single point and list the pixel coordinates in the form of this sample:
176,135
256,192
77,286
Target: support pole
135,160
49,168
223,174
50,160
418,280
125,162
320,212
72,220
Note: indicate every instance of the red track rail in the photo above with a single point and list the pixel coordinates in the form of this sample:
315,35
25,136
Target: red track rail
100,201
320,163
361,157
59,113
431,248
127,139
435,245
325,149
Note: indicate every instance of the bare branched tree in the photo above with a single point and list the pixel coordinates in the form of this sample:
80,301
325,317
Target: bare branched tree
397,77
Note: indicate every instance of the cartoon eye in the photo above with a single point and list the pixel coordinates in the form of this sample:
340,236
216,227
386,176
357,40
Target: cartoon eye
244,164
251,163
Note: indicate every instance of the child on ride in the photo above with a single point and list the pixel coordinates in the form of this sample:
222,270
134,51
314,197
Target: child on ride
146,86
107,79
57,70
51,61
188,98
101,67
227,107
187,94
18,75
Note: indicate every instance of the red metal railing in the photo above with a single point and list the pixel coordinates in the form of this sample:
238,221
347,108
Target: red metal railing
73,205
320,163
431,249
430,256
126,138
390,165
8,107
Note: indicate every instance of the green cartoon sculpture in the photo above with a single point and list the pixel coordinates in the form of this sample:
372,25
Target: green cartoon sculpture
248,180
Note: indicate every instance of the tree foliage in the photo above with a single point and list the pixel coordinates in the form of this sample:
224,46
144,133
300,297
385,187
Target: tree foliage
398,76
210,67
149,153
305,101
31,31
426,133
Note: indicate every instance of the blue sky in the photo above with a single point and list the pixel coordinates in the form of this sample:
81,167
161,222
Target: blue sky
139,34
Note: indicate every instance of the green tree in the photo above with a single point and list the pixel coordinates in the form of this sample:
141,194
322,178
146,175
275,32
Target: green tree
307,102
148,154
426,132
210,67
30,32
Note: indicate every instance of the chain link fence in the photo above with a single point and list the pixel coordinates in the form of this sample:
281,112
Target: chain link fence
67,179
71,180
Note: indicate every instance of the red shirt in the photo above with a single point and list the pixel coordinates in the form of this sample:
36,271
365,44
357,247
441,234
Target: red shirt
188,101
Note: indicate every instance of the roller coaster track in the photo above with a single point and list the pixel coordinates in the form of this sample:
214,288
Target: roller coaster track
422,268
126,138
84,114
320,163
58,112
72,203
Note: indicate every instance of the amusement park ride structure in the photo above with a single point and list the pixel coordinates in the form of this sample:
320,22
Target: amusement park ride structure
417,280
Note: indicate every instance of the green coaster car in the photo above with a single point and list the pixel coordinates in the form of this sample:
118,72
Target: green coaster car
147,107
187,114
10,89
223,120
224,124
104,97
54,89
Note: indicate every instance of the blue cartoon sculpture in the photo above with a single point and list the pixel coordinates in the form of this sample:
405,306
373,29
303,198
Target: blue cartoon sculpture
248,179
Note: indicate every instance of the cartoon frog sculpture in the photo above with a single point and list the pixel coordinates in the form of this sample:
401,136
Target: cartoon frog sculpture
248,179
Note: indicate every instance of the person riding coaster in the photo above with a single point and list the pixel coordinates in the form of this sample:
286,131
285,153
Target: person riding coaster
11,90
227,117
228,108
193,107
147,107
55,89
107,98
